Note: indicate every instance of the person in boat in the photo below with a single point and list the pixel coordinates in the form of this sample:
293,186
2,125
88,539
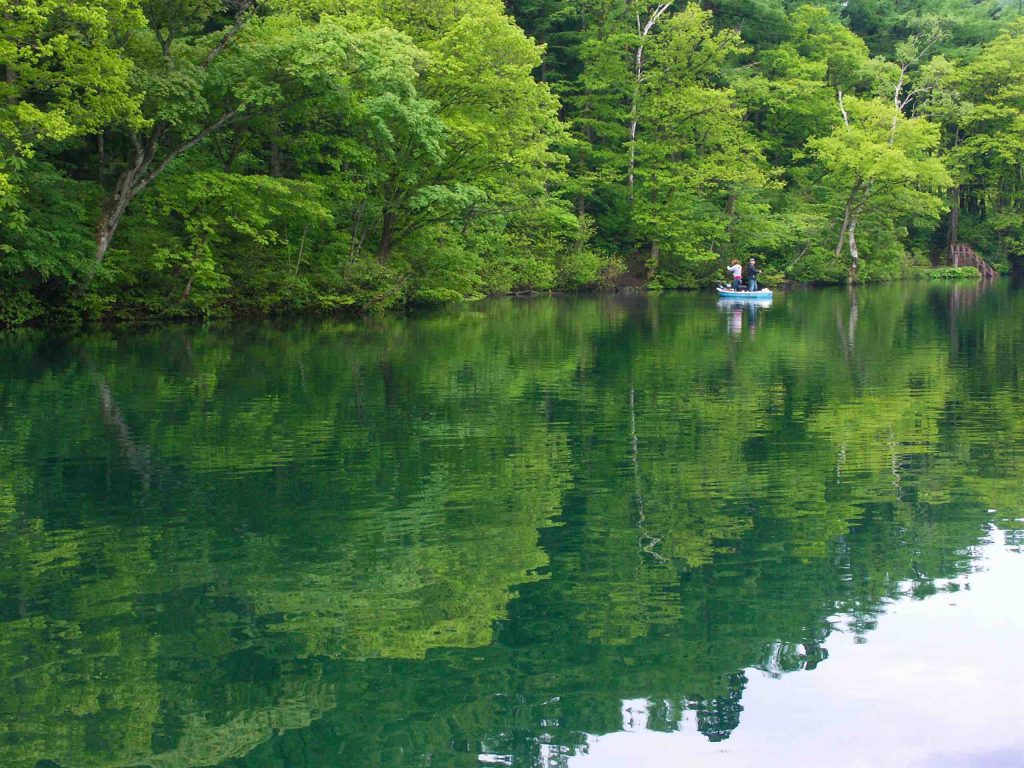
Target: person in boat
750,273
736,271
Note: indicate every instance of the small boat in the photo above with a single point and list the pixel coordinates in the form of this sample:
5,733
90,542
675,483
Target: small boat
760,295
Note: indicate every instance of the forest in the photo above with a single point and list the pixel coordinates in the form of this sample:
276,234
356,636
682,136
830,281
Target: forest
179,159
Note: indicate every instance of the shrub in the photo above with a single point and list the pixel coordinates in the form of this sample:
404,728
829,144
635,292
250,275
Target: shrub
955,273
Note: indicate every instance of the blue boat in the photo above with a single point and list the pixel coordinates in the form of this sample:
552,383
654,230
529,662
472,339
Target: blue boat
728,293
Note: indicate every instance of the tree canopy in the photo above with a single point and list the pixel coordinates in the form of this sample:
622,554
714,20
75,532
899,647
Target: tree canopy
179,159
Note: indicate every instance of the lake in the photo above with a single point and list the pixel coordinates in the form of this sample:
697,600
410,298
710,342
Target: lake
640,530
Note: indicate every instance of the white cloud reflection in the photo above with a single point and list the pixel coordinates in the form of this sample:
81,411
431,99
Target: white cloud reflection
938,684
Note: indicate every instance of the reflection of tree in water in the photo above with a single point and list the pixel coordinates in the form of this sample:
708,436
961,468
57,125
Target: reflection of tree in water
720,716
476,532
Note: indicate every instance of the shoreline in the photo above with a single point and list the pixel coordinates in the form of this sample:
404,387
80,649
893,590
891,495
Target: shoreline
76,325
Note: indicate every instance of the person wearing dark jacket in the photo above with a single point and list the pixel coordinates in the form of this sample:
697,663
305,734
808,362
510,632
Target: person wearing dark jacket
750,273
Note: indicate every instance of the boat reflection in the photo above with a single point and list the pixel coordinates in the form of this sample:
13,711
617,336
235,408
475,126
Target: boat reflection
734,309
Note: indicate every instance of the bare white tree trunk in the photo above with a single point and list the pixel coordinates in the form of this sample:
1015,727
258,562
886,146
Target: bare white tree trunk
851,236
953,227
842,109
922,44
842,231
854,206
898,103
302,245
643,29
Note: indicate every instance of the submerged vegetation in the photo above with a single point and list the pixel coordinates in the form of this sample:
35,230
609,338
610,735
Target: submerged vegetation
185,158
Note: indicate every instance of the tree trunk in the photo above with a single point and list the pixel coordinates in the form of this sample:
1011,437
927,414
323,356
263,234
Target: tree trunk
234,151
105,233
141,174
10,76
276,161
302,245
115,207
953,229
897,102
581,199
358,234
643,30
851,234
141,171
842,229
634,117
730,214
387,231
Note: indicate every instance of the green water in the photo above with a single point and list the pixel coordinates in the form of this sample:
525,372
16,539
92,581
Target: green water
514,533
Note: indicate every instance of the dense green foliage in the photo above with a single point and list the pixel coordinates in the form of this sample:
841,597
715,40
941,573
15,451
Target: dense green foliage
401,540
182,158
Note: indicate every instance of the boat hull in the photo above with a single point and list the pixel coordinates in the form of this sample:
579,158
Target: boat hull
761,295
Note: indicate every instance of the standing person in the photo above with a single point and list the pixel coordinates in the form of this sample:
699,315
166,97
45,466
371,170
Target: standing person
736,271
751,275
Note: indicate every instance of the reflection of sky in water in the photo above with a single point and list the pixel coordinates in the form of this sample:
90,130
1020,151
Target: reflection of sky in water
939,684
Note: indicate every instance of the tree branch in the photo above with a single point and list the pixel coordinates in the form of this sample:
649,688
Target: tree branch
842,108
185,146
244,12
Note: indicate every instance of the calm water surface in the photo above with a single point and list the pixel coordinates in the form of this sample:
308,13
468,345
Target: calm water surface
557,532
